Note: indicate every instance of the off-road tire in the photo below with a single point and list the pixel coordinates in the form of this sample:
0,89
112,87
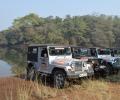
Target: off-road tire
109,70
59,79
116,71
31,74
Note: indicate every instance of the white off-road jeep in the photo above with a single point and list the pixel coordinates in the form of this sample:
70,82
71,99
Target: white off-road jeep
99,65
56,62
112,62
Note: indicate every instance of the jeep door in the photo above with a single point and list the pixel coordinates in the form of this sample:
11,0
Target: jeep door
32,54
43,59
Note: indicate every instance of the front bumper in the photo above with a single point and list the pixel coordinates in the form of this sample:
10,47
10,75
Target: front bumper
79,74
116,67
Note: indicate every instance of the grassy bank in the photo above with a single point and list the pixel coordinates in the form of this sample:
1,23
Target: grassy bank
17,89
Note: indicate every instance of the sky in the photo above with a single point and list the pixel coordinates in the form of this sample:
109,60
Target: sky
12,9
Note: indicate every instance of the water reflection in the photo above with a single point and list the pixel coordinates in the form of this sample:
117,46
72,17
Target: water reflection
15,57
5,69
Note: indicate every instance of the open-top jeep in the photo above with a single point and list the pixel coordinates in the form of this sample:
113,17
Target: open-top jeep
56,62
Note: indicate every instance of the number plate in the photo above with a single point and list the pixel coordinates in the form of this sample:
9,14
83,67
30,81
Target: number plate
83,75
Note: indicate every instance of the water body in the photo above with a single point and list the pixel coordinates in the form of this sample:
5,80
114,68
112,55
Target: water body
15,56
5,69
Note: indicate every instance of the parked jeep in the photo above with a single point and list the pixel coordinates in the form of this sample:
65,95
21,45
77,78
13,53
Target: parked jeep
99,65
115,52
56,62
113,63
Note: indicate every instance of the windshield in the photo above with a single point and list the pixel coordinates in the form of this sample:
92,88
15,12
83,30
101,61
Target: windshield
104,52
81,52
117,52
59,51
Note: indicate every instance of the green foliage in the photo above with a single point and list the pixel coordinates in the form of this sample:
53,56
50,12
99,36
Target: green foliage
29,20
89,30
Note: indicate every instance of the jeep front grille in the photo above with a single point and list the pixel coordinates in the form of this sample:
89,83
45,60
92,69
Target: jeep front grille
78,66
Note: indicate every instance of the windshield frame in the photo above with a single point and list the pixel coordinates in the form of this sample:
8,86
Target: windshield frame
81,52
60,48
104,52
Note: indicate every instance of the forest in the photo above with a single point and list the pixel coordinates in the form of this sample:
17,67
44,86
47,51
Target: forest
86,31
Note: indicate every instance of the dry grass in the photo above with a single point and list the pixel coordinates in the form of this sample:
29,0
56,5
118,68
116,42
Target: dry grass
42,92
17,89
98,89
24,91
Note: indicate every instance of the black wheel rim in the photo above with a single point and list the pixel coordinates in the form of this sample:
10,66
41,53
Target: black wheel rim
59,80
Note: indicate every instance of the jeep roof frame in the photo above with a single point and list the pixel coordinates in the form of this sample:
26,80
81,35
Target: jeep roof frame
47,45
